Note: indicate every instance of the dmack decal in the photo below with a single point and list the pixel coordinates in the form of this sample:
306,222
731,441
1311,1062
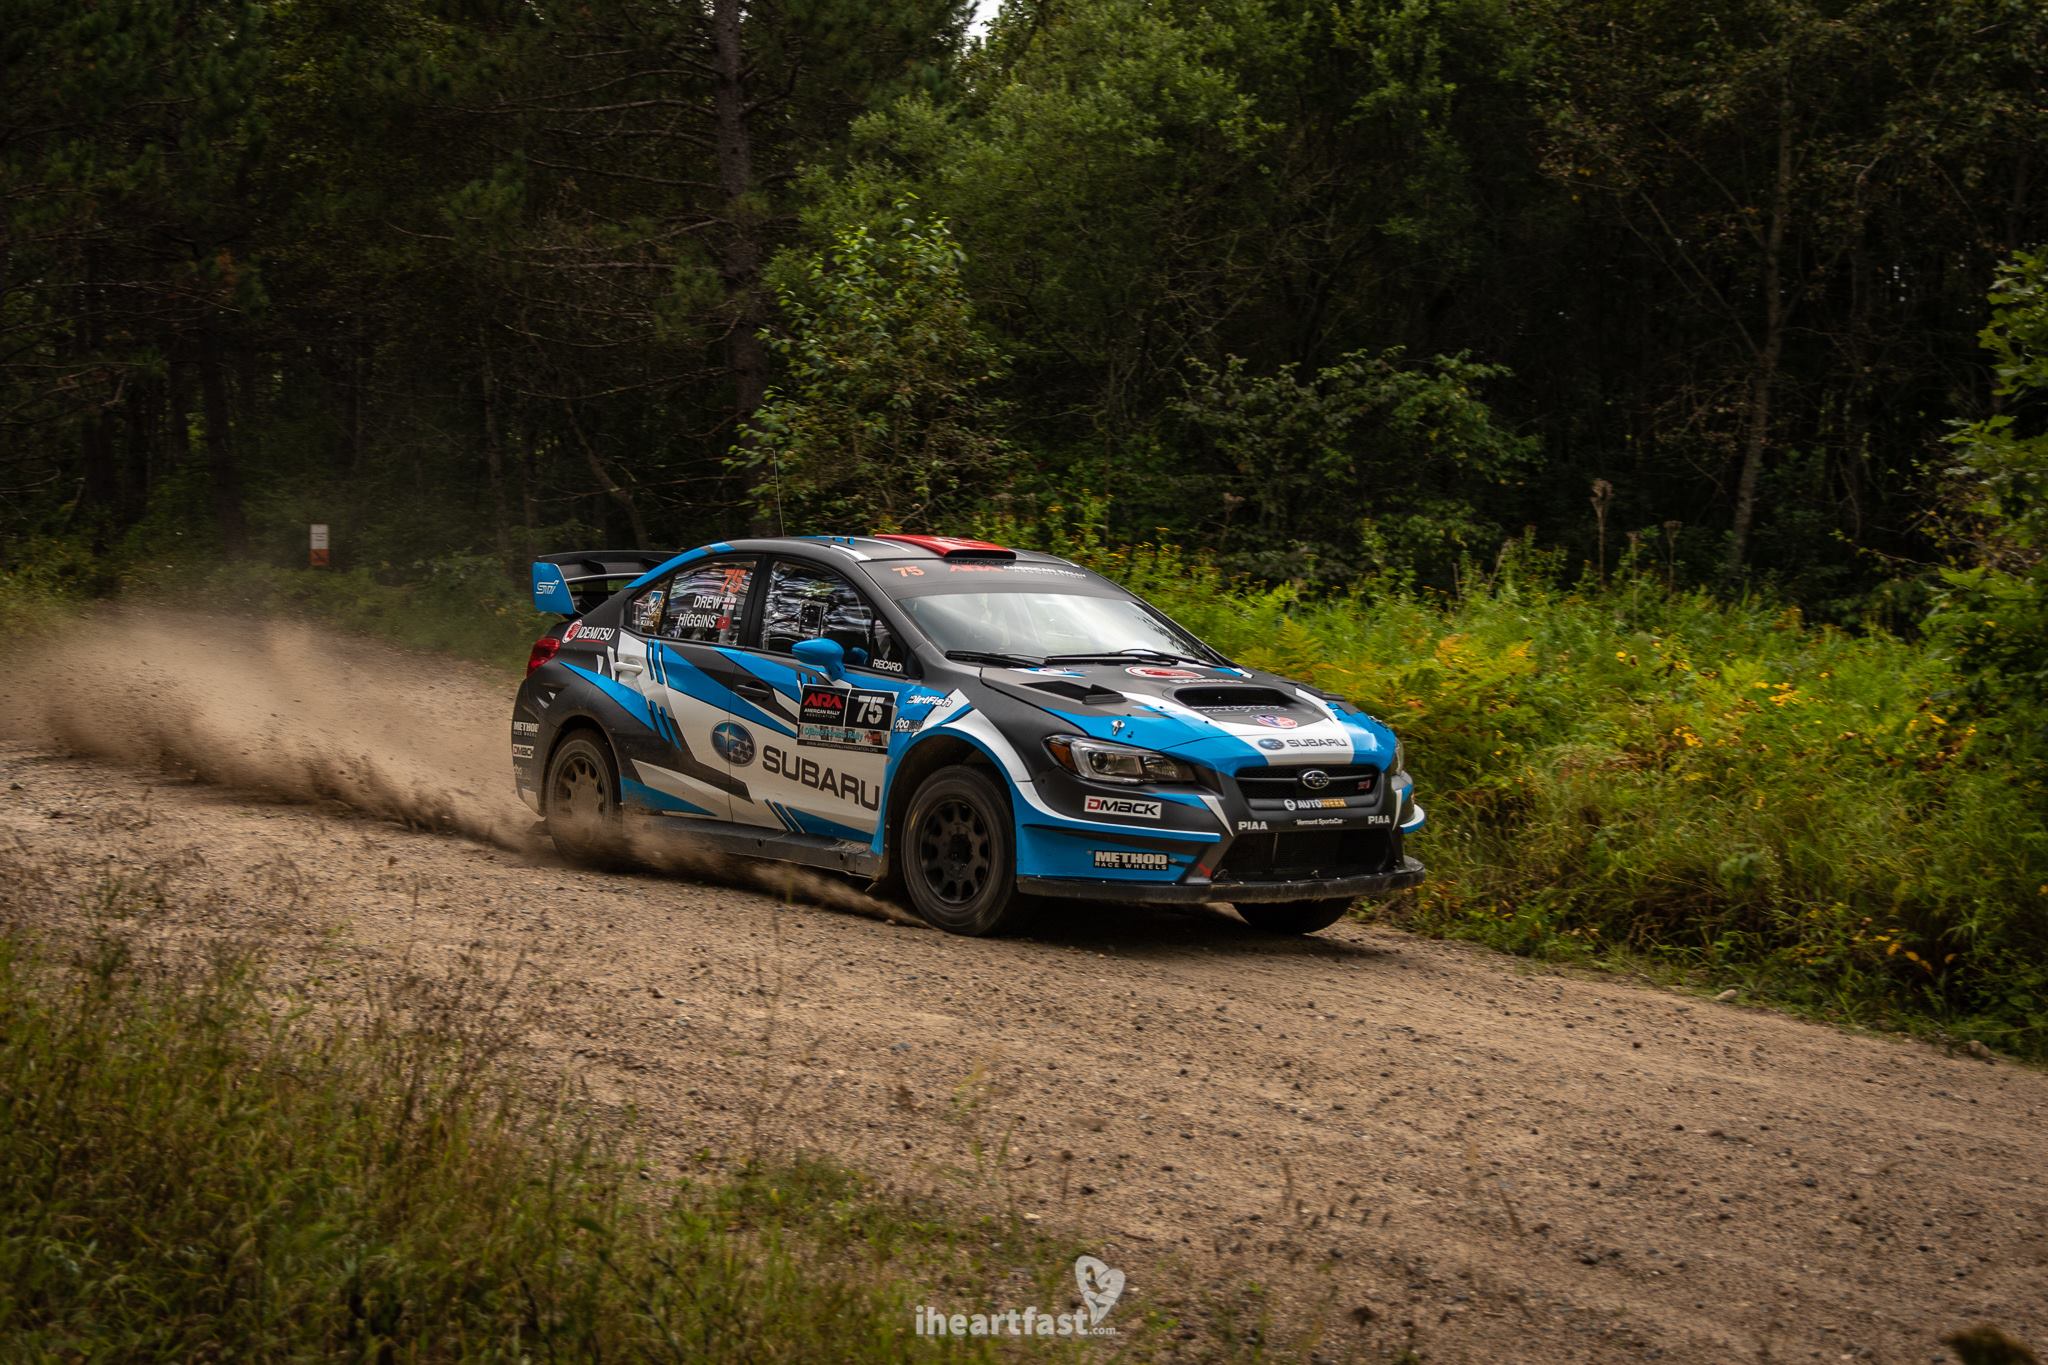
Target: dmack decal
1121,805
808,772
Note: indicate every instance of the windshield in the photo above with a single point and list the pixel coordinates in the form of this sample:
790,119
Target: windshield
1046,624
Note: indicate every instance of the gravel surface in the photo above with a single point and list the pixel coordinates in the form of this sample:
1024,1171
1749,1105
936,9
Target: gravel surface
1405,1142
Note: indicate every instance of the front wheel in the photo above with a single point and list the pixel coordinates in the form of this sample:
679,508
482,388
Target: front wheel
1294,917
583,801
958,855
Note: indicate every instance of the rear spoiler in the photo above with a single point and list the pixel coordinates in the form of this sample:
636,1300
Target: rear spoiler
572,583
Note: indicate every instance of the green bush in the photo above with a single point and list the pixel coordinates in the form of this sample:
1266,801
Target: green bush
189,1173
1830,820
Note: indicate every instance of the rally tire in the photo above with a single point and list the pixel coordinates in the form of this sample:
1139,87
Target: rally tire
582,798
959,854
1294,917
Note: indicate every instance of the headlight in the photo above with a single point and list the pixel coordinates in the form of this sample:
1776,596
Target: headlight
1102,762
1400,764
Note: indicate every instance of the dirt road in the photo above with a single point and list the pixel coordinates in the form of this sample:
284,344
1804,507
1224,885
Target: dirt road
1404,1141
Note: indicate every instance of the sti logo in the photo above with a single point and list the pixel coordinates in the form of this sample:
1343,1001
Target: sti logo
1129,807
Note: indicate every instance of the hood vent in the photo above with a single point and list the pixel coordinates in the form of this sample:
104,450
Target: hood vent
1074,690
1229,698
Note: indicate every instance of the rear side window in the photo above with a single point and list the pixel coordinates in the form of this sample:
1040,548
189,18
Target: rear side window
806,602
704,604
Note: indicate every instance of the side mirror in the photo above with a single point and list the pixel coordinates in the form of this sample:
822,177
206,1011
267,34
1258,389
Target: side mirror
827,656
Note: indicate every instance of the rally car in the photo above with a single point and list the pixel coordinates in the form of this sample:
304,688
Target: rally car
969,726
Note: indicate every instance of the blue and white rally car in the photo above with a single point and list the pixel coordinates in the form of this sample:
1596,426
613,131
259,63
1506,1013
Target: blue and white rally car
974,726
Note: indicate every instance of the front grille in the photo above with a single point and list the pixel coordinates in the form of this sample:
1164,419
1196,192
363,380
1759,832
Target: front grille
1301,855
1278,784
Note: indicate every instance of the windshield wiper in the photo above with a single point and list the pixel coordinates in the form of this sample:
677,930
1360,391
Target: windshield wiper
1135,652
983,656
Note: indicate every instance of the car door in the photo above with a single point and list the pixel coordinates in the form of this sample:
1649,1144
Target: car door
823,775
669,653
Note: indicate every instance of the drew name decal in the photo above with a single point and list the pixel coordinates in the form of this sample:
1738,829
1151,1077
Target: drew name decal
1122,805
808,772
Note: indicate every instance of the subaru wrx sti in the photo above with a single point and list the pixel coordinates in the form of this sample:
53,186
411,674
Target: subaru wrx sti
973,727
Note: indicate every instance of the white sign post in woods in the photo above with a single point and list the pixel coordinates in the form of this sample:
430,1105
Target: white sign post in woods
317,557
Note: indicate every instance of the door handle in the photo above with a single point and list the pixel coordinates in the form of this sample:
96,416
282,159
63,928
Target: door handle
625,667
754,691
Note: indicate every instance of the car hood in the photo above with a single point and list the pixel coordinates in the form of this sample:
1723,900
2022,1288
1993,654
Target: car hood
1225,718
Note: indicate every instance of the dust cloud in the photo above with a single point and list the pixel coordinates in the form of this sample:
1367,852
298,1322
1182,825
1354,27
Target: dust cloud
290,711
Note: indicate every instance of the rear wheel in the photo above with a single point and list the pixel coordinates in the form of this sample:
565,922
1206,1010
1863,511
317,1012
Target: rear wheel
583,801
1294,917
958,855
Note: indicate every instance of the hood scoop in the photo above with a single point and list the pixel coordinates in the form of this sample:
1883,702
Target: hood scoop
1091,694
1227,699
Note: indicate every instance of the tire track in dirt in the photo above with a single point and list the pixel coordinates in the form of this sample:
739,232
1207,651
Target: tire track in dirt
1404,1141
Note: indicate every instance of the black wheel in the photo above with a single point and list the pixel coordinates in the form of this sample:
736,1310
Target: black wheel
1294,917
583,801
957,854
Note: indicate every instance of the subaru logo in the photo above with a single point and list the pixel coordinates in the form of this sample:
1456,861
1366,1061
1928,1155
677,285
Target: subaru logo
1315,779
735,744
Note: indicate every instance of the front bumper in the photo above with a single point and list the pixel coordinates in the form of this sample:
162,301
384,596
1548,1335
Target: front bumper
1409,874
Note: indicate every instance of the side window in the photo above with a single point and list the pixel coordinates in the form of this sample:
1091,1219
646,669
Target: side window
707,603
807,603
643,613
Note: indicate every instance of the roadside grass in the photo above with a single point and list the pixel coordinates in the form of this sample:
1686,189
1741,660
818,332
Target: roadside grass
195,1165
1715,791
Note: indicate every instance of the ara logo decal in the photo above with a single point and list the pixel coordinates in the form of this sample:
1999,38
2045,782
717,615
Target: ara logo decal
1162,674
1277,722
734,743
1122,805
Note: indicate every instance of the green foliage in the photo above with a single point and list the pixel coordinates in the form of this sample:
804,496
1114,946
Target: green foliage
1994,606
1642,775
1357,470
188,1173
885,420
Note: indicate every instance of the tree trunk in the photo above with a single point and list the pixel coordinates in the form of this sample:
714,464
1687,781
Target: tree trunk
138,470
529,481
220,451
494,462
1763,379
740,253
613,489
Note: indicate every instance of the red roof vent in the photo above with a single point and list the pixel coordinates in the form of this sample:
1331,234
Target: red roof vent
953,547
